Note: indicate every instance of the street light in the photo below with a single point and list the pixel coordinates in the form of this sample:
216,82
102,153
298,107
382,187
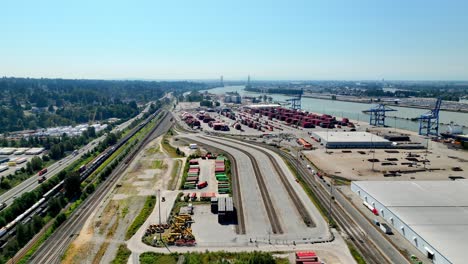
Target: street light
427,149
159,207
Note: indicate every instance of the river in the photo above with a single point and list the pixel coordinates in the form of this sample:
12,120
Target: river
354,110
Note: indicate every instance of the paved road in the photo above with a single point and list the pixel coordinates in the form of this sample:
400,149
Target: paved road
31,183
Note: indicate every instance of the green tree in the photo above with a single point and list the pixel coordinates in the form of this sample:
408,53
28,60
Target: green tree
54,206
37,223
56,152
36,163
22,234
72,184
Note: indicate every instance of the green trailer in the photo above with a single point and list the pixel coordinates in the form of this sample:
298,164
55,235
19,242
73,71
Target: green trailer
224,191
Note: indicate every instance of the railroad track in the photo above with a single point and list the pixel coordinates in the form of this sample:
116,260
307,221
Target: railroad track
52,250
269,207
301,209
359,239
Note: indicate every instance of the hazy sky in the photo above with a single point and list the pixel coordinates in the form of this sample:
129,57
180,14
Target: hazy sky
197,39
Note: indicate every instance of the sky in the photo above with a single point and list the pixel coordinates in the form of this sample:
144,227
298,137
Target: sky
203,39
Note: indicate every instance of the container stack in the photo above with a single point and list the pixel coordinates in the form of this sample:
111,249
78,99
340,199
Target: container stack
221,209
214,205
192,175
221,176
225,210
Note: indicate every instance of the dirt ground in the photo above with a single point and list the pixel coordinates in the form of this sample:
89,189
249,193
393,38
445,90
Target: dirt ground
354,164
105,230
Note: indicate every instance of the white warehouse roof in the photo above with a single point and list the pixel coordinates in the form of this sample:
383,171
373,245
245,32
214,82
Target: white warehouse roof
338,137
436,210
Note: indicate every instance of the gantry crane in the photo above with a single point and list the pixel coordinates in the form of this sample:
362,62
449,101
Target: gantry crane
296,101
429,122
378,114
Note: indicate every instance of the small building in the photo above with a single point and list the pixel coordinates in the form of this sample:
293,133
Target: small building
232,97
431,215
34,151
334,139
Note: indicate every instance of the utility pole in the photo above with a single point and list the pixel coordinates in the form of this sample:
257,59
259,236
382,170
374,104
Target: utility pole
326,145
331,197
427,150
159,207
373,152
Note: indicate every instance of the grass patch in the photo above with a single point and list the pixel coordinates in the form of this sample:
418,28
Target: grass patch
157,164
212,258
158,258
174,174
356,255
152,150
142,216
123,254
168,148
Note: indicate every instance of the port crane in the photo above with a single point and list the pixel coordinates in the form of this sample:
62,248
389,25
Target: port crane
296,101
429,122
378,114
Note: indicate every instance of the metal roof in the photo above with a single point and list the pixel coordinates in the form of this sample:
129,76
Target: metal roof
337,137
436,210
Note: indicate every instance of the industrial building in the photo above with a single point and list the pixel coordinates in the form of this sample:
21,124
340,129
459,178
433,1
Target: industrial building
334,139
232,97
431,215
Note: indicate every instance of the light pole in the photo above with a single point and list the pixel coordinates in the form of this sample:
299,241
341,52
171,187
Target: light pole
331,197
326,144
373,151
427,149
159,207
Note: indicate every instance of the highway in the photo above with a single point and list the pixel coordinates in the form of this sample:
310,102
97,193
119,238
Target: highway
52,250
31,183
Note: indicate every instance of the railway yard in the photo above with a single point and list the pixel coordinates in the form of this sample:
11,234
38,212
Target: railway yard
251,178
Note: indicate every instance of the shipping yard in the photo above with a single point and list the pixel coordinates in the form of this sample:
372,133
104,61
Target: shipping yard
264,177
335,150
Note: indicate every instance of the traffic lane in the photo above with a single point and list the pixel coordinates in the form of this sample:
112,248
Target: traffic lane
255,216
31,183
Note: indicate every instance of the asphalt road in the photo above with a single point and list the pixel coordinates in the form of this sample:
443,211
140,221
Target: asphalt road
31,183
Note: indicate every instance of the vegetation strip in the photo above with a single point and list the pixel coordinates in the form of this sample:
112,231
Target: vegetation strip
208,257
142,216
123,254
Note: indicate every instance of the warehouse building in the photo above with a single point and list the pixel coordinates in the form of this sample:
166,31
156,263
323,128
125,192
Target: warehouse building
334,139
431,215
